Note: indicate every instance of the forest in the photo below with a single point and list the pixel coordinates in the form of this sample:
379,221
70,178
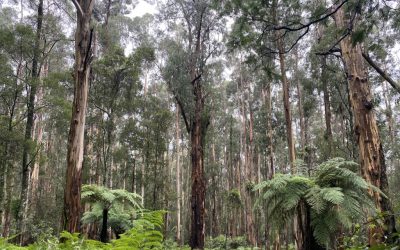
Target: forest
200,124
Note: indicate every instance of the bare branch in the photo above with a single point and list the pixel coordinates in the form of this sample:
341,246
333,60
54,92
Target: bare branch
195,79
307,25
78,7
181,106
178,101
385,76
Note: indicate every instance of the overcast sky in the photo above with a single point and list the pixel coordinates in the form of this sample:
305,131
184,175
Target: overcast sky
143,8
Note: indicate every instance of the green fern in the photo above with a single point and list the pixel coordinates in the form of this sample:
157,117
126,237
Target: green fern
145,234
334,196
4,244
121,206
108,197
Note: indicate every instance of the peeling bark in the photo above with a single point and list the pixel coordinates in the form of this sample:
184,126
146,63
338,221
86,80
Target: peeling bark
83,41
373,167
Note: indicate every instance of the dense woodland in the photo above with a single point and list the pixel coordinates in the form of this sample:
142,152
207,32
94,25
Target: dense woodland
254,124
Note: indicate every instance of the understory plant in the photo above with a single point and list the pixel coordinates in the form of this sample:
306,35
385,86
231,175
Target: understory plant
331,200
146,233
115,208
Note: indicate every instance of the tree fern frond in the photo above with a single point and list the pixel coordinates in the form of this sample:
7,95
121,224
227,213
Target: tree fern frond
333,195
315,200
145,233
260,185
321,231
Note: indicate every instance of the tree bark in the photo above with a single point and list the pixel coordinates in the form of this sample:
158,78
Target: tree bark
197,134
38,130
27,160
326,96
327,108
270,150
286,105
83,40
142,172
285,90
300,103
6,174
197,123
270,132
178,180
389,115
134,175
250,230
371,155
104,227
304,236
6,223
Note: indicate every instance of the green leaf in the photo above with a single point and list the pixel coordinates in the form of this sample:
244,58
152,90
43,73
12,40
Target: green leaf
358,36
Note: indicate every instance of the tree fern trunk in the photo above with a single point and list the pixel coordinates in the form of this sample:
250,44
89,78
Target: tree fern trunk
304,235
104,233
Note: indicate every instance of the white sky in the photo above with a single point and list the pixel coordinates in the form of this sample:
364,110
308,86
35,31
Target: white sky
143,8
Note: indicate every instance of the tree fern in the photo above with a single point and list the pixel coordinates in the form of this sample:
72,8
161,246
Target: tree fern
145,234
118,204
118,217
282,195
335,196
107,197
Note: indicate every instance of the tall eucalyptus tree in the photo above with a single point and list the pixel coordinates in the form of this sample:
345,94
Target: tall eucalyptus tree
83,58
186,75
27,157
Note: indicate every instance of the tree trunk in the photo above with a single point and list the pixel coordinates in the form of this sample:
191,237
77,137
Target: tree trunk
389,115
270,163
197,134
304,236
104,227
197,125
83,40
142,172
267,99
286,105
26,159
268,104
7,202
277,241
300,103
285,90
250,230
6,174
327,102
371,155
38,130
327,106
134,175
178,180
231,181
214,213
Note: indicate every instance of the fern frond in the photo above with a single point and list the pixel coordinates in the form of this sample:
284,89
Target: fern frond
145,234
334,196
